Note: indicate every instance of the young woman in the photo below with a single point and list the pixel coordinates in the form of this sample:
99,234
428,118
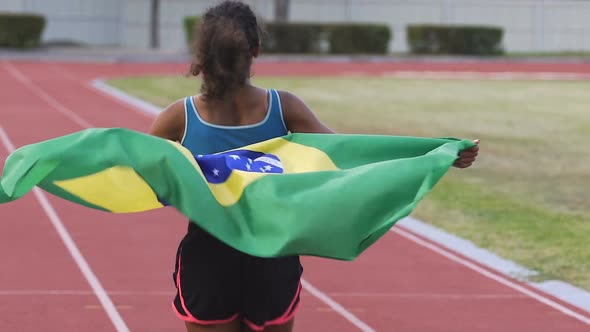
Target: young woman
218,287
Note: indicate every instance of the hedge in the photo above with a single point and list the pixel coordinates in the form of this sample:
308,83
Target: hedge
297,37
292,38
359,38
341,38
455,39
21,30
190,23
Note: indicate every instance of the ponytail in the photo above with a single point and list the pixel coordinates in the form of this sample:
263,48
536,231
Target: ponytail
223,51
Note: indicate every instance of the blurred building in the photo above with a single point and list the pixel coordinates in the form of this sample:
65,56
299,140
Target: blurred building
530,25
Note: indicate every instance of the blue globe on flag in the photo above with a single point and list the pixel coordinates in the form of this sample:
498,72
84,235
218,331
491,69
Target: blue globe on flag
218,167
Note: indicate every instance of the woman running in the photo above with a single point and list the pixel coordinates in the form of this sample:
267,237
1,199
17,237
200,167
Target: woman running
219,288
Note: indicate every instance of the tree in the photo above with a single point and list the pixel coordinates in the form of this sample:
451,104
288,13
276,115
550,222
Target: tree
282,10
155,23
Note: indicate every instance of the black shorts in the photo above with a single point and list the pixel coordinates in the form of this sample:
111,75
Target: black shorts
217,284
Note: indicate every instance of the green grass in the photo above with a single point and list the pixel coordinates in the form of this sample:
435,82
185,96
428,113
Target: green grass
527,198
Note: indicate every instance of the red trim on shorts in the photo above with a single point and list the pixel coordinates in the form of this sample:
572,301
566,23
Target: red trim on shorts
287,316
192,319
189,317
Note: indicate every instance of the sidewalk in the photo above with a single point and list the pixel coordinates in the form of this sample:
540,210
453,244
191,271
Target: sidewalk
120,55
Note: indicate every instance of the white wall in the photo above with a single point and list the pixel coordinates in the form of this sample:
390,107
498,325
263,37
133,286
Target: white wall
12,5
530,25
95,22
136,33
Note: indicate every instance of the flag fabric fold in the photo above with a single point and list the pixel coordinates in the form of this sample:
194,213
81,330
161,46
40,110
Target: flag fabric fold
302,194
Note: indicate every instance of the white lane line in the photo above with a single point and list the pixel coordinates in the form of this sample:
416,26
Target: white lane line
144,107
493,76
336,307
74,292
433,296
570,294
65,236
19,76
502,280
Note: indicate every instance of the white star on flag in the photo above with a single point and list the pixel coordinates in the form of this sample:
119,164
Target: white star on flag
249,160
215,172
234,157
248,167
267,168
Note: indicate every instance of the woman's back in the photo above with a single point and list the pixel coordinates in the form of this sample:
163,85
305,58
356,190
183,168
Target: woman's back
254,116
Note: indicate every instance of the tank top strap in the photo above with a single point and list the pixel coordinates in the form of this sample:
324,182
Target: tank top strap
276,109
190,117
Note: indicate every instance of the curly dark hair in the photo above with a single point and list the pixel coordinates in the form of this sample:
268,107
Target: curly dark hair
225,43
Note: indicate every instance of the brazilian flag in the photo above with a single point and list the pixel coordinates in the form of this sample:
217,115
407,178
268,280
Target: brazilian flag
327,195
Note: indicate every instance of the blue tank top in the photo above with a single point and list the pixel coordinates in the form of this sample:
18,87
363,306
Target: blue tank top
201,137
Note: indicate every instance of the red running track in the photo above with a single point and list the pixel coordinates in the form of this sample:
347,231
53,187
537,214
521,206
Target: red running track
397,285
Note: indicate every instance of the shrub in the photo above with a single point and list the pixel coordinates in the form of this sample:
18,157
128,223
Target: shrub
190,27
359,38
305,38
292,37
278,37
21,30
344,38
455,39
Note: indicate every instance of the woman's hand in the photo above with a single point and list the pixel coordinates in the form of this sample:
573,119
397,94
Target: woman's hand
467,157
